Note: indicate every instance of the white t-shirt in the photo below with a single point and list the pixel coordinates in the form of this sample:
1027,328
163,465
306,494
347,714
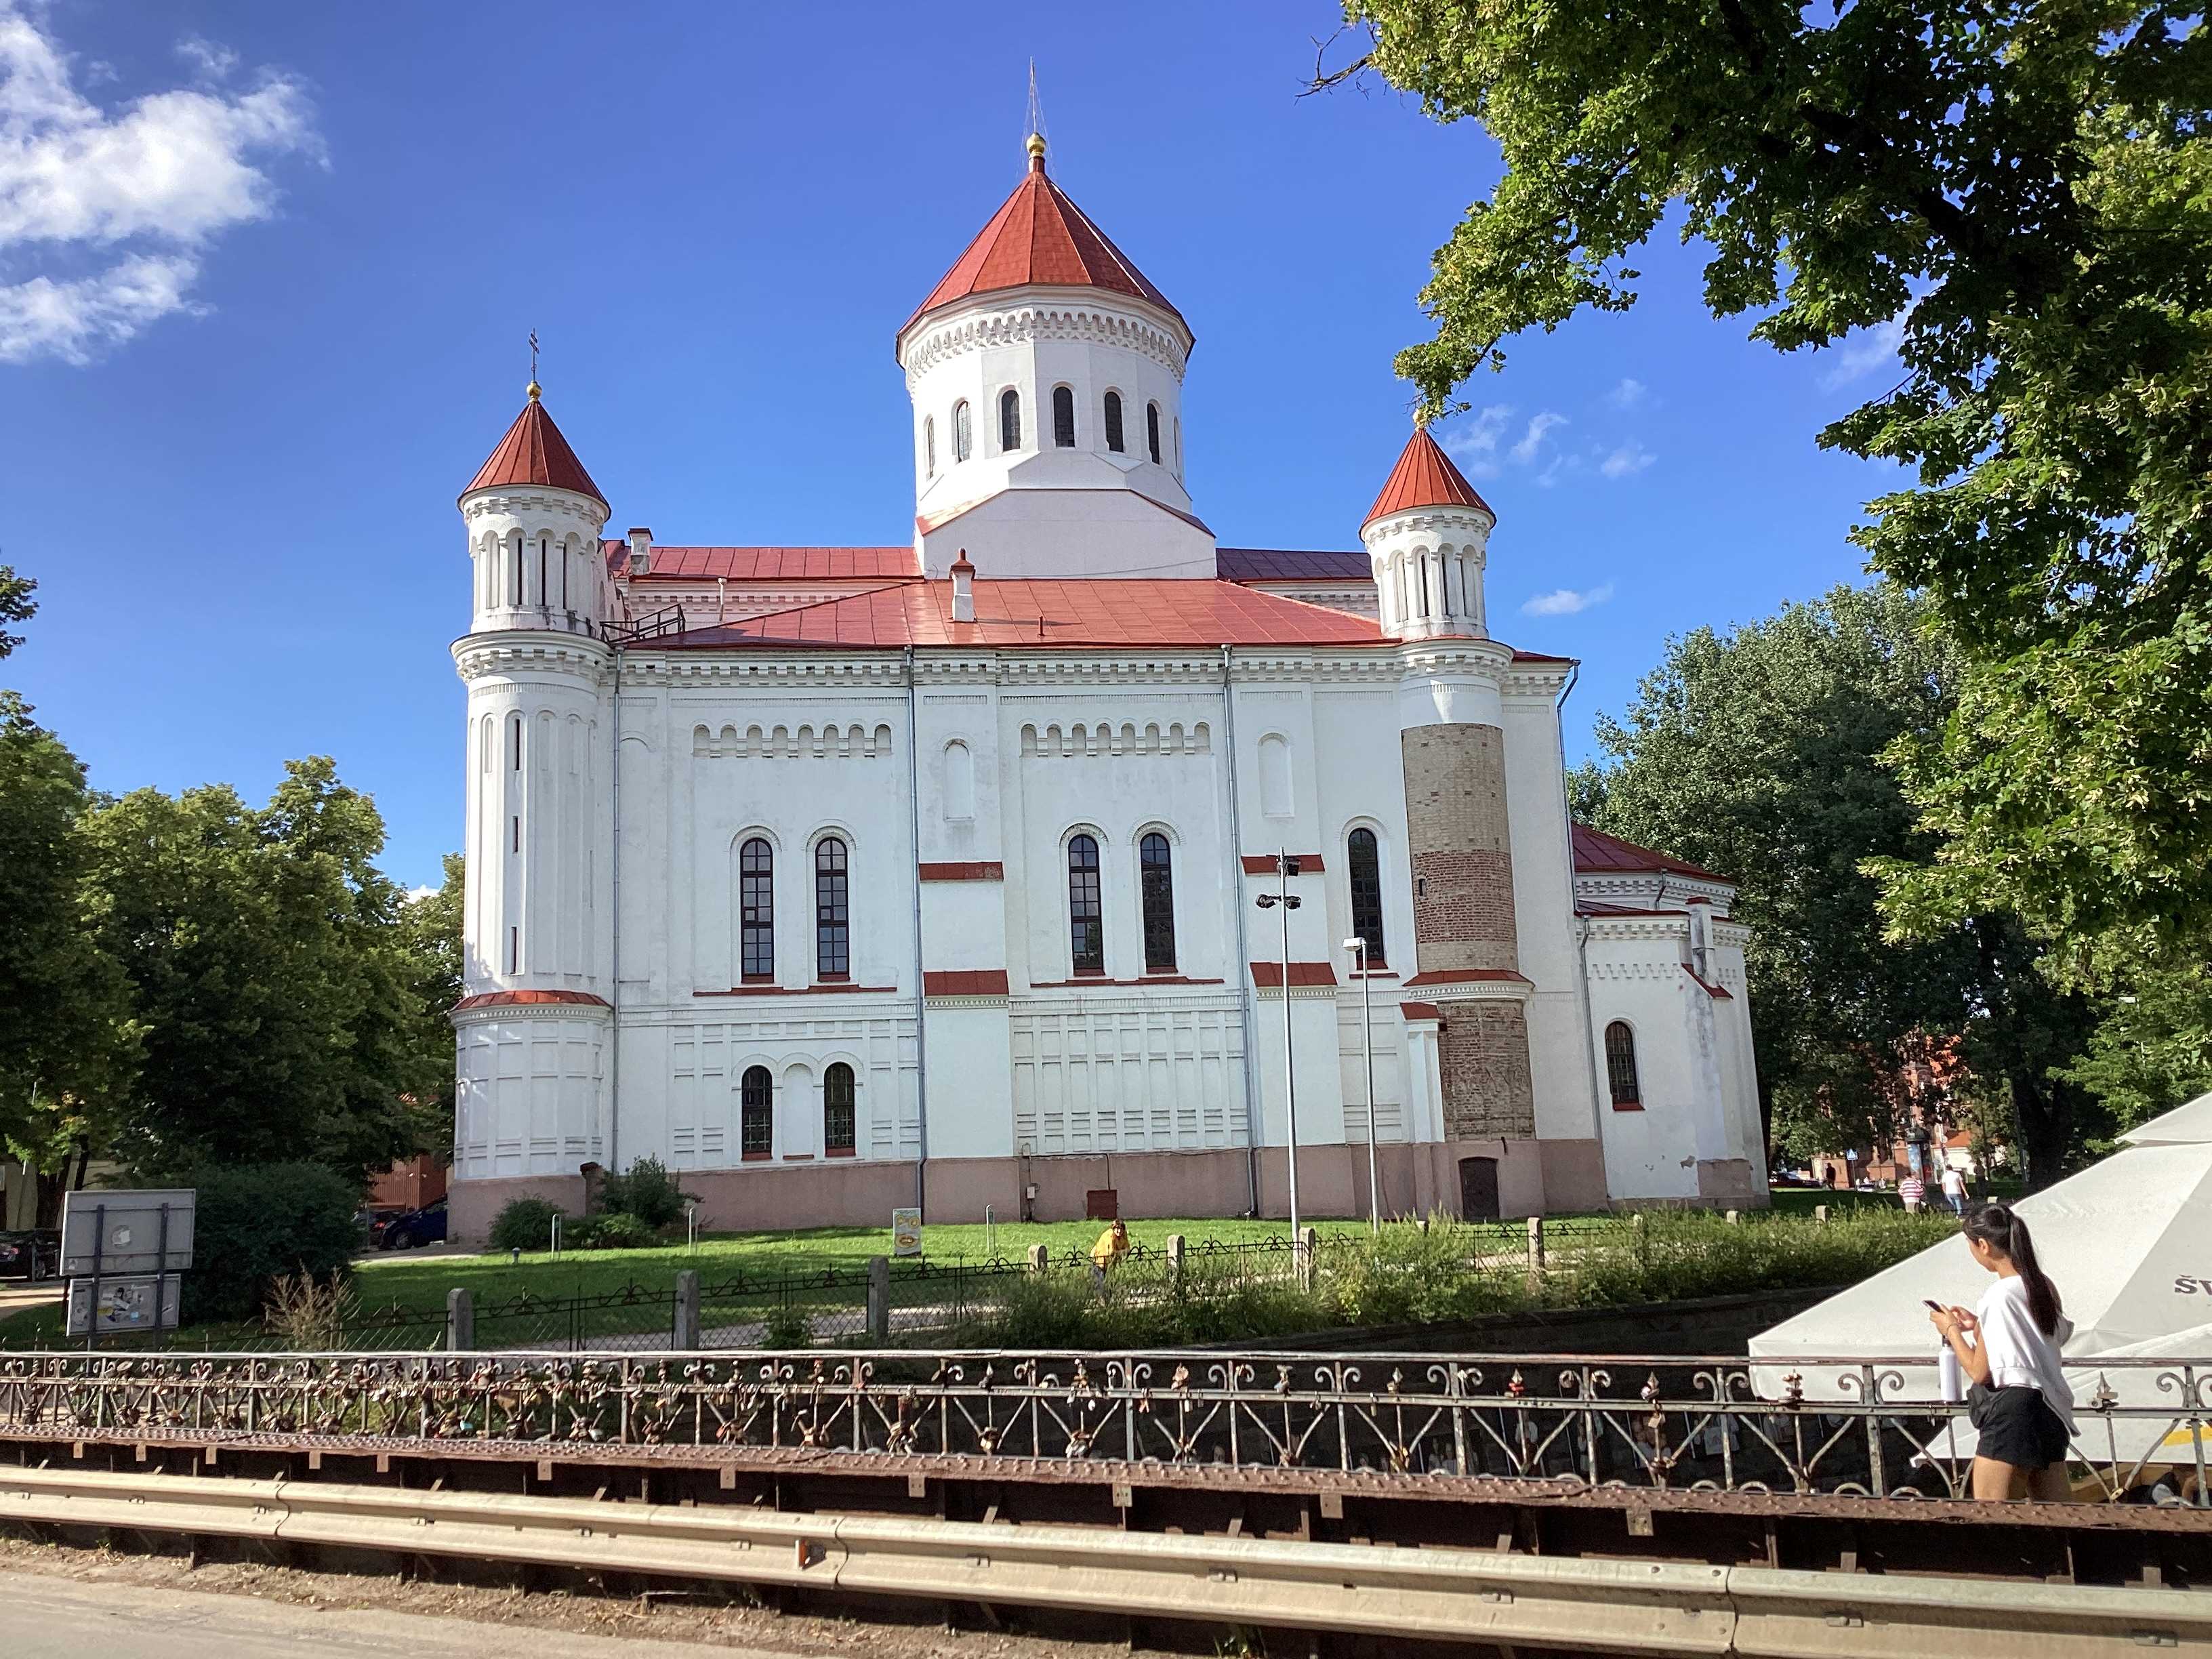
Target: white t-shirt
1954,1184
2020,1355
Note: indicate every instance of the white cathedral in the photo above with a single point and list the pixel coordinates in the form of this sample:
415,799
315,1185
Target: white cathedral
847,878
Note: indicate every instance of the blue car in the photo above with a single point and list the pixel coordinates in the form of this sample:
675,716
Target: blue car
424,1227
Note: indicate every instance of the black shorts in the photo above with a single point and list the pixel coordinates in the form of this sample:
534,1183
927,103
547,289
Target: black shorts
2017,1426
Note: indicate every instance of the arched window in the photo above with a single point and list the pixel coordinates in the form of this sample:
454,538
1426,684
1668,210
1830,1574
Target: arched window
756,1114
1086,914
839,1128
1365,860
757,911
1009,419
1155,870
1621,1067
1063,418
515,573
1178,446
929,445
1421,592
962,439
1114,422
544,569
833,956
1152,431
514,743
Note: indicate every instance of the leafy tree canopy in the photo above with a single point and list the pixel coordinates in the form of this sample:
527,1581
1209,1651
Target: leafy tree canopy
2024,189
1757,752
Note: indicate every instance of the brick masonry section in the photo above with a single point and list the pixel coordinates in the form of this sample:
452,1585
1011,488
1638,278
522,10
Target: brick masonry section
1483,1053
1459,847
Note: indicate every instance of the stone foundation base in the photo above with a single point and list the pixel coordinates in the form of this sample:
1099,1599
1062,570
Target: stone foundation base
1534,1178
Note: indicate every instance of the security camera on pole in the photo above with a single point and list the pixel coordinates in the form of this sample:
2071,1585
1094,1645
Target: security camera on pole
1286,867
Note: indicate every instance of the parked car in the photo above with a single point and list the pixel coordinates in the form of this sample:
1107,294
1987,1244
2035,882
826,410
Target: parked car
412,1227
34,1253
373,1222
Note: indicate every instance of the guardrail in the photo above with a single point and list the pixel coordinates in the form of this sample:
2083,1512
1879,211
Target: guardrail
1834,1427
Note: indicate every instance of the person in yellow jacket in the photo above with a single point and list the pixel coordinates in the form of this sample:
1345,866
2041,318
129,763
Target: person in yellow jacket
1113,1244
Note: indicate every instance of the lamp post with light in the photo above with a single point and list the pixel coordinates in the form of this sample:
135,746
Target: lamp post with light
1358,946
1286,867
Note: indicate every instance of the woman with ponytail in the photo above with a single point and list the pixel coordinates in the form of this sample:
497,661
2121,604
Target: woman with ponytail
2009,1350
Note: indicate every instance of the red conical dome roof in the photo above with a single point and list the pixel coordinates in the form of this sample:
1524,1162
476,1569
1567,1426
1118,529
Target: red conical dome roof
1424,476
534,453
1040,238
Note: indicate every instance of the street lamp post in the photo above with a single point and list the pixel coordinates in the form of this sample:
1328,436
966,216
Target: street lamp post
1286,867
1359,947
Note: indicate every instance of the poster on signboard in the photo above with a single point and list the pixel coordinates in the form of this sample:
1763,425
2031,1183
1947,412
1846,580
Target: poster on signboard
906,1232
123,1305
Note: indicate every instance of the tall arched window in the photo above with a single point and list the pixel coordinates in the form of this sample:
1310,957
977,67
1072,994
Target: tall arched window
1114,422
929,445
514,743
1365,859
756,1114
1621,1067
1152,431
1009,419
840,1126
544,569
963,439
1063,418
757,911
1086,914
1421,592
1156,871
514,572
833,958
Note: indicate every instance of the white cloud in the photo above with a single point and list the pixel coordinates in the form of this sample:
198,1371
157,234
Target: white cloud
1631,457
1539,427
1627,394
1565,601
1862,353
104,213
1476,445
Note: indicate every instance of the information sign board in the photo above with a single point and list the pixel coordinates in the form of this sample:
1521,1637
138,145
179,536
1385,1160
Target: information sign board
906,1232
123,1232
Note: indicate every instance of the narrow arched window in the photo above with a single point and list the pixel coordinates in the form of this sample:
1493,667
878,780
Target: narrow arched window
1009,419
962,439
1621,1067
929,445
1086,914
1365,859
1421,592
833,956
1114,422
839,1126
756,1113
514,743
515,573
1063,418
544,569
757,911
1152,431
1156,871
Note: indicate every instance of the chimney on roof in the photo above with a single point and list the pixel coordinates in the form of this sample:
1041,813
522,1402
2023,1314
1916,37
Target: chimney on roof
964,589
641,551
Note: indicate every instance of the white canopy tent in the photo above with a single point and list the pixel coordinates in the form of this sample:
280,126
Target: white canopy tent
2129,1243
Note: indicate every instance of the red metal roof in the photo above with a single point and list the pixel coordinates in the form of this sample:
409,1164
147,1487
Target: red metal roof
1046,614
1599,854
764,564
528,999
1039,237
1424,476
1263,864
1268,976
534,453
1267,564
963,982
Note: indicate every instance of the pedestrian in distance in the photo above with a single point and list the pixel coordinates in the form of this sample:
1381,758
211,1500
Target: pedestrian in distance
1913,1191
1113,1244
2007,1349
1954,1188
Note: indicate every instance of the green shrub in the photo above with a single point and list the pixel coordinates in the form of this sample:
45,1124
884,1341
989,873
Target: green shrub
527,1223
787,1326
606,1232
648,1191
255,1221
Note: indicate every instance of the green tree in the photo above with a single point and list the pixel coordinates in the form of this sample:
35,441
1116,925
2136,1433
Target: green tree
267,968
430,934
1757,752
2154,1050
16,605
2024,191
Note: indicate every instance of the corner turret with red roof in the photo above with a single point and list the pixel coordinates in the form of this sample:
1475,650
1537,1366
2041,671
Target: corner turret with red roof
1428,537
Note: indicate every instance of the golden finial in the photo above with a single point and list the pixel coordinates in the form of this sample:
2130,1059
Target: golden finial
533,389
1036,152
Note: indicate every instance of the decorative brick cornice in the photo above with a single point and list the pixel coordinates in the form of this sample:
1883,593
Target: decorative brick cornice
988,320
528,1005
517,656
974,870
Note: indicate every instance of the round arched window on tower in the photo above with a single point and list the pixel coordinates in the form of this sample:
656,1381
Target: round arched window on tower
963,439
1009,420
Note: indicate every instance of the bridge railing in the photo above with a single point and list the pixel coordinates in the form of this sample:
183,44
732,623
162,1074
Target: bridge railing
1839,1427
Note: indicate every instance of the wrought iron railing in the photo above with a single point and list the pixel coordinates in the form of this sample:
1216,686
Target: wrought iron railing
1639,1421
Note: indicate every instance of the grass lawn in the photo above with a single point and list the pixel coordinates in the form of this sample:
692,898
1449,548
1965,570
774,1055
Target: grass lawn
422,1282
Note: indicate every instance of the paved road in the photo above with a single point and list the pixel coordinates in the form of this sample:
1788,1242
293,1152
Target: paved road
62,1619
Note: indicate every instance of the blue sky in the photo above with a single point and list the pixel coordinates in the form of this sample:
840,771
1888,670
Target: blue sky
266,274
